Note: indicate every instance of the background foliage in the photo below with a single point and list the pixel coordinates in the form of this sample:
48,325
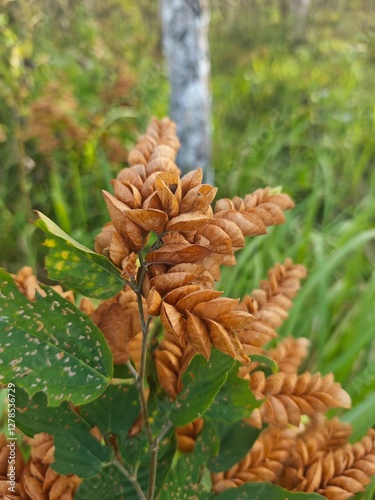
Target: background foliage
80,80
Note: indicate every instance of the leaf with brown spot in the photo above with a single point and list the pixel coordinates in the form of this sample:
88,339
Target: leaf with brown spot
149,219
192,300
169,281
177,254
173,321
197,335
188,222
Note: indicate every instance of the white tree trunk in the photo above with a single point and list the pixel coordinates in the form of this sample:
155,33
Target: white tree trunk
185,26
296,11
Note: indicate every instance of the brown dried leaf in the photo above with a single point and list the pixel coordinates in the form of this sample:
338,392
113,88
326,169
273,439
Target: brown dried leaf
194,299
160,164
153,201
249,224
153,302
149,219
188,222
217,237
197,335
127,193
198,199
118,248
128,229
166,282
224,204
215,308
191,180
174,296
173,321
236,320
135,157
132,176
178,254
220,338
168,188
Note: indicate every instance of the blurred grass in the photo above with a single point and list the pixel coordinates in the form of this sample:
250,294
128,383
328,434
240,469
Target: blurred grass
297,115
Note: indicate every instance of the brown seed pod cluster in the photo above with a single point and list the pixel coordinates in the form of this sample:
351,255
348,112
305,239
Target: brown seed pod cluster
35,480
29,285
118,319
317,458
192,241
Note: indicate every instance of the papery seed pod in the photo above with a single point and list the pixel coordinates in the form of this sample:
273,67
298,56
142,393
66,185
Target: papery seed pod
118,318
5,469
264,461
202,318
288,396
29,285
289,353
187,435
154,301
39,480
270,304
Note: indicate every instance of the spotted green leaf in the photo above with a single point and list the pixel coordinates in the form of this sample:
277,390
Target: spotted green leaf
76,266
234,400
186,478
76,450
201,382
49,345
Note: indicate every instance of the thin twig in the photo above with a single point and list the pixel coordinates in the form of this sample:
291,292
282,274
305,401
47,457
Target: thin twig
116,462
154,459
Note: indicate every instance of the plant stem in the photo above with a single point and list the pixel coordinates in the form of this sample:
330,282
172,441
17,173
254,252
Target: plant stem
131,478
140,378
154,459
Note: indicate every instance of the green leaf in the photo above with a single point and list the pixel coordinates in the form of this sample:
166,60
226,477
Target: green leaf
264,491
111,484
201,382
265,360
76,450
234,400
184,480
236,441
115,410
76,266
361,417
50,345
